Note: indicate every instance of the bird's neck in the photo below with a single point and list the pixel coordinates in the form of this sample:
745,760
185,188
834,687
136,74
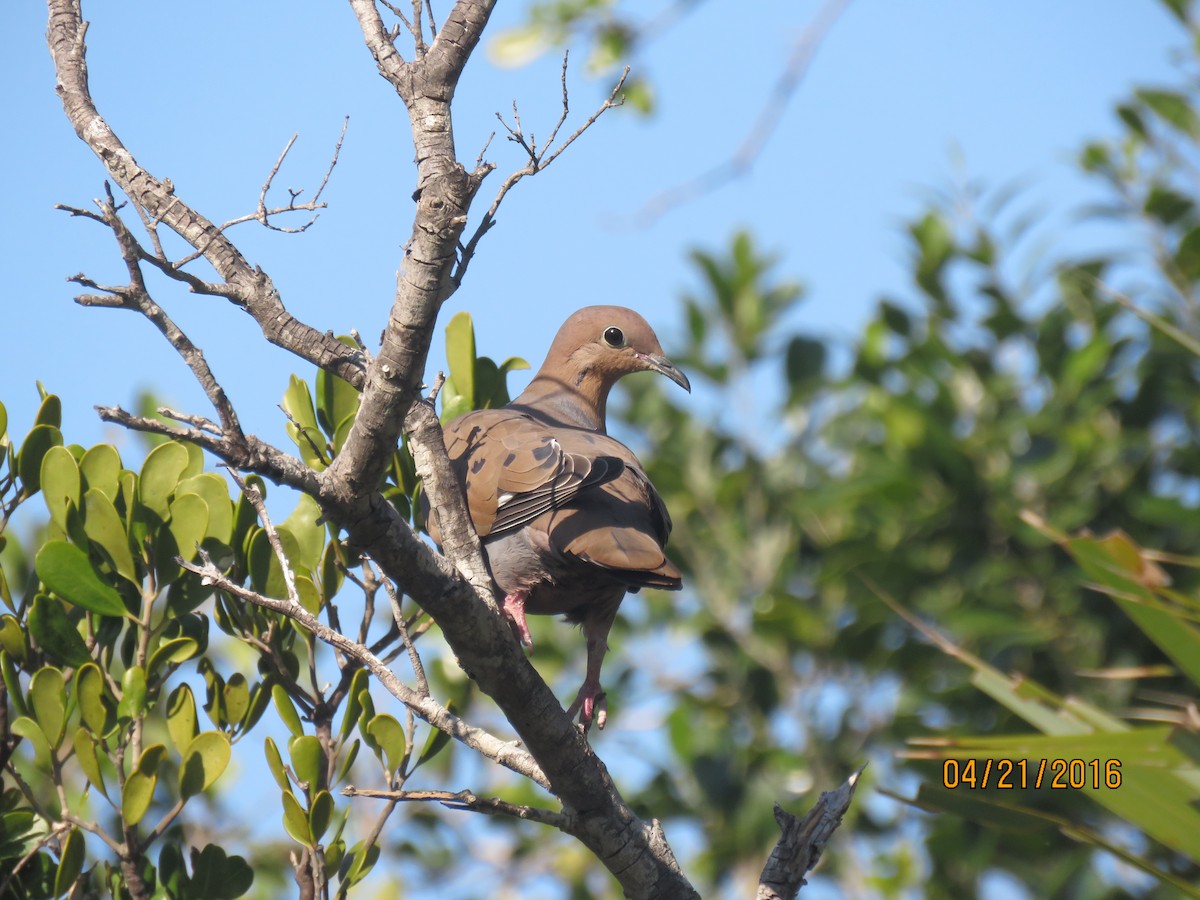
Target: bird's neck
578,402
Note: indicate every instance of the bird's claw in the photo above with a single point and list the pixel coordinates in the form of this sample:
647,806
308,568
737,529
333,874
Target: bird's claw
514,609
592,705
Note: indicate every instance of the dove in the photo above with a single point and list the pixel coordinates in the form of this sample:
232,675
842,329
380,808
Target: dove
568,519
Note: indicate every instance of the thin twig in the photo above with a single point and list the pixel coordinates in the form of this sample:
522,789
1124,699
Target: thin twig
492,806
762,129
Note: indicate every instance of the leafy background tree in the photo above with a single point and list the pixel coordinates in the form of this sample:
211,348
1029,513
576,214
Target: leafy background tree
1006,378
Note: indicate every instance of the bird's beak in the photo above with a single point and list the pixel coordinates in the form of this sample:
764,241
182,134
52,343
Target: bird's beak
664,366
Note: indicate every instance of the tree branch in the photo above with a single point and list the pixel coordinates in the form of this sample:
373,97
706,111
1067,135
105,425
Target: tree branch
254,290
802,842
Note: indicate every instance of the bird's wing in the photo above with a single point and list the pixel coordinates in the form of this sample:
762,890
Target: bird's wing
514,468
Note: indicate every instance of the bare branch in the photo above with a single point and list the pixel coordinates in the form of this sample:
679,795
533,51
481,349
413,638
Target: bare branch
254,290
491,806
537,162
251,493
802,842
506,754
769,117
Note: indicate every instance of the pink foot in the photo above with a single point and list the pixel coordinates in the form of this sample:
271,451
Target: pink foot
514,608
591,700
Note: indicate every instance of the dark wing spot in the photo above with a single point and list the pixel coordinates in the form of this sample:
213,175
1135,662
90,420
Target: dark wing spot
478,464
542,453
510,459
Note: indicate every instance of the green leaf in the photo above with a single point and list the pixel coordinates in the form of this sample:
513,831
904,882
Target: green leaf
203,762
460,356
50,412
48,700
136,796
89,697
286,710
12,637
295,822
181,718
302,426
275,764
66,571
1172,108
1187,255
319,815
435,743
363,857
55,633
102,524
309,534
33,450
89,760
337,400
61,484
16,696
70,862
161,473
101,470
216,876
25,727
133,693
348,758
308,761
176,651
189,523
215,493
389,735
515,47
353,708
152,757
237,697
3,422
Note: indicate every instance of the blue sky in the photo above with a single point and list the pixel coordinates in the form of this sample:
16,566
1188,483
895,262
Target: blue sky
208,95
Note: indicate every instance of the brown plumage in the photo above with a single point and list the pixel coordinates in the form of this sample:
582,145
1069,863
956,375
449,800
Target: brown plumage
569,520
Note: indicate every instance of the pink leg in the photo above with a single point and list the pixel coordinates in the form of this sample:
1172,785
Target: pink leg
591,699
514,608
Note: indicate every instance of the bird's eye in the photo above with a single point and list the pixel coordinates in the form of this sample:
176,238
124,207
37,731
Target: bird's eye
614,336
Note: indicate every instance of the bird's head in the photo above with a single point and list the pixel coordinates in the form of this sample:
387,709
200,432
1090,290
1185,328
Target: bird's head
600,344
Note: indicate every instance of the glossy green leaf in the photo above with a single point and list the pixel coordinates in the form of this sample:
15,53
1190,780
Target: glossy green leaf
295,822
319,815
89,759
286,710
89,688
337,400
1172,108
390,737
181,718
3,421
237,697
309,534
30,730
308,761
173,651
70,863
460,356
215,493
275,764
203,762
12,684
48,700
330,572
55,633
136,796
33,450
152,757
66,571
50,412
161,474
363,857
353,708
133,693
309,596
435,743
61,484
189,523
302,426
103,524
347,761
101,470
12,637
216,876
